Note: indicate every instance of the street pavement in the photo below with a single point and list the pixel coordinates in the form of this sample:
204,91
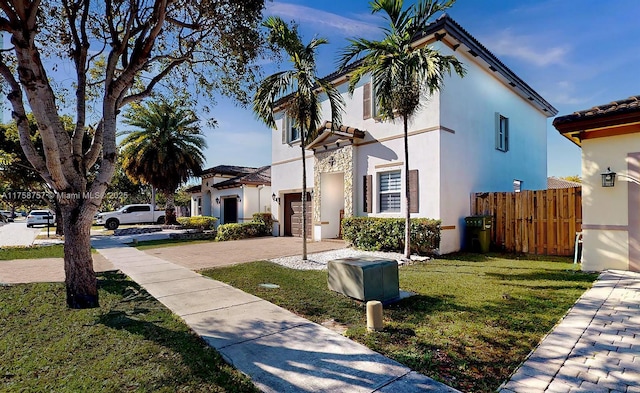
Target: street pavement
15,234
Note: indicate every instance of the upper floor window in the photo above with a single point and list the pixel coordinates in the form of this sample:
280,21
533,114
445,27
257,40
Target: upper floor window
390,187
290,134
502,132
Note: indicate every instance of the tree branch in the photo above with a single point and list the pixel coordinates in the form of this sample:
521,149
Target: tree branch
20,116
92,155
150,86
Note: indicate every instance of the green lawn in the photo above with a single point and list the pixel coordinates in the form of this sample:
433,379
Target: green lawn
160,243
34,252
130,343
472,322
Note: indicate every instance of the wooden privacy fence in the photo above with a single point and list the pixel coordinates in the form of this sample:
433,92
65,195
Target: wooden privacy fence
537,222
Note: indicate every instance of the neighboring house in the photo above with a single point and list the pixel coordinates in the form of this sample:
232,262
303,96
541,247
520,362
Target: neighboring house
554,183
609,136
484,132
232,193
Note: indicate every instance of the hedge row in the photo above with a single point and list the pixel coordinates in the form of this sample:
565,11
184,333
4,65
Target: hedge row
260,226
198,222
387,234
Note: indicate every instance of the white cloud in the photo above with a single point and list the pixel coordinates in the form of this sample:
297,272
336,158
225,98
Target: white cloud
566,93
322,19
525,48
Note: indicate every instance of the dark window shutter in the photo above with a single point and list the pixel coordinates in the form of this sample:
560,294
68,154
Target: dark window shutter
497,131
506,134
367,193
414,195
366,101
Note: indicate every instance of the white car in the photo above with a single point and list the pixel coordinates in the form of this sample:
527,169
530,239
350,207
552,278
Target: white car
40,217
8,217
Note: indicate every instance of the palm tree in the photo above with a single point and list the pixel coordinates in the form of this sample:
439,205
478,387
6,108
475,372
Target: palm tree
401,72
302,88
165,151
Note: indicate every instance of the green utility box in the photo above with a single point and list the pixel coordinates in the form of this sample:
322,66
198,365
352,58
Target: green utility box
478,233
365,278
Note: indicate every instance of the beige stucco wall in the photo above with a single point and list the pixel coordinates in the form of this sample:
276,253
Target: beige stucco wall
606,209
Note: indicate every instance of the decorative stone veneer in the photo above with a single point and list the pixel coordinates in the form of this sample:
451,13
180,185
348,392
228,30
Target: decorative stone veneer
333,161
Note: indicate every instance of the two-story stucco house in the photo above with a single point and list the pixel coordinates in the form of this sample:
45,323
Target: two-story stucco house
484,132
232,193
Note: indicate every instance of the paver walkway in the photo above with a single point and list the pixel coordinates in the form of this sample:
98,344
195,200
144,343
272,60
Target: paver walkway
595,348
280,351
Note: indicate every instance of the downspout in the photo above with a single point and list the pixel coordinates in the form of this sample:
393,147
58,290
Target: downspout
260,187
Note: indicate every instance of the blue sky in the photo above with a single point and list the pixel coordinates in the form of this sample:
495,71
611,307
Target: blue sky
575,53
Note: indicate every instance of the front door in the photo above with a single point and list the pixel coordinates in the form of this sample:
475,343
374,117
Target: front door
230,210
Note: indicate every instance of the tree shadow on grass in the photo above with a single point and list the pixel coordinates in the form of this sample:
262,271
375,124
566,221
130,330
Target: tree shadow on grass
476,257
548,275
140,314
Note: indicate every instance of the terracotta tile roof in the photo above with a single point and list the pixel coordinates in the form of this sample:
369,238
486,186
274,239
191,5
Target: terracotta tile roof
627,105
194,189
554,183
327,130
257,177
228,170
328,126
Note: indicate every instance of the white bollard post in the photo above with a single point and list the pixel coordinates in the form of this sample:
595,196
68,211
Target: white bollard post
374,316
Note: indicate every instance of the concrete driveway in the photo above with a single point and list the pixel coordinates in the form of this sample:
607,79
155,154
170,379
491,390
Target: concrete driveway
192,256
205,255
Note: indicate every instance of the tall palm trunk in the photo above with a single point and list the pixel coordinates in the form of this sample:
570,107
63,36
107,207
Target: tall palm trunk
170,209
80,278
304,200
407,197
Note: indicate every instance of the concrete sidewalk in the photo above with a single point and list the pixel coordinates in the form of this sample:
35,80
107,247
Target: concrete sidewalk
595,348
280,351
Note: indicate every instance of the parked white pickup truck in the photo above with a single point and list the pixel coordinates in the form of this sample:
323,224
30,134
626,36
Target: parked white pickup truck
130,214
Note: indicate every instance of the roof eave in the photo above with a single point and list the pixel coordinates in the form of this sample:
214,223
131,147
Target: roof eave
438,31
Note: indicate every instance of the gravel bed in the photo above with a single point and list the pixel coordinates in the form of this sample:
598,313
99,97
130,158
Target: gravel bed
319,261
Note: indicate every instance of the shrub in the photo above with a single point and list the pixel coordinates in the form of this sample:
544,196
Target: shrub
387,234
266,219
198,222
242,231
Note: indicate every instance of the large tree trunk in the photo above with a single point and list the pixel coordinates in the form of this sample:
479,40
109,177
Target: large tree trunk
80,278
170,209
59,222
407,220
304,200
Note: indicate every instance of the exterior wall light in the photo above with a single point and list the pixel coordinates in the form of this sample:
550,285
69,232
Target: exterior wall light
608,178
275,198
218,200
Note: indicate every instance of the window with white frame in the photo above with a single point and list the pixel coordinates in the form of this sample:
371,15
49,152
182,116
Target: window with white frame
502,133
390,184
290,134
